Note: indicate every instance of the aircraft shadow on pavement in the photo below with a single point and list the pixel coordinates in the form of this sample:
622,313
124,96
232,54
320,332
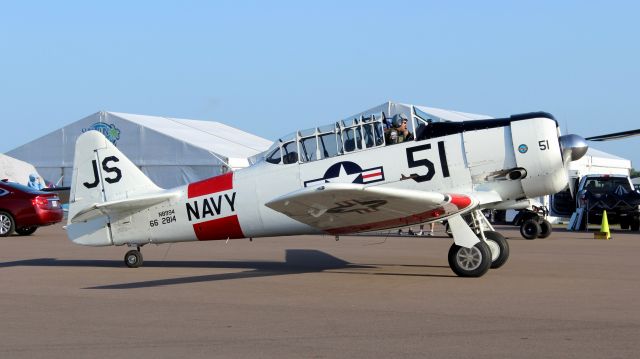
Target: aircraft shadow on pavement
297,261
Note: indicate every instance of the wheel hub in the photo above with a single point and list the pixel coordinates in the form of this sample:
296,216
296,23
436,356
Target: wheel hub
5,224
469,258
132,259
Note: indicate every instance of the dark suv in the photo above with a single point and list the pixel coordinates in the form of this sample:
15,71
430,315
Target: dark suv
613,193
24,209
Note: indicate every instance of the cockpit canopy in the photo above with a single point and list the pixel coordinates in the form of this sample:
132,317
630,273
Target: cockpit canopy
361,132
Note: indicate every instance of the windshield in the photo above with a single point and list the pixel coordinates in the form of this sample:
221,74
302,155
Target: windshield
606,184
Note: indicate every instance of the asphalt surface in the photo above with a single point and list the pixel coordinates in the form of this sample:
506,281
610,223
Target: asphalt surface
568,296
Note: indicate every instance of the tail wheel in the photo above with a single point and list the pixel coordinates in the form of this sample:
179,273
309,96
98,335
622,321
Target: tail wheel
545,229
7,224
530,229
470,262
133,258
26,231
499,248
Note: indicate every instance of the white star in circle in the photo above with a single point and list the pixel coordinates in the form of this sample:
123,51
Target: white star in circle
343,177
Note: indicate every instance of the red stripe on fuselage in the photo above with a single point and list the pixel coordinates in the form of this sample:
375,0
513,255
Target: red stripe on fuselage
221,228
211,185
372,174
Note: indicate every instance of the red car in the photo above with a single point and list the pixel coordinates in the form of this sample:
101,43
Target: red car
24,209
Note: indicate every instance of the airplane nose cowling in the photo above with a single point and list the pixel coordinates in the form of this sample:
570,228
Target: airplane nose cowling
573,147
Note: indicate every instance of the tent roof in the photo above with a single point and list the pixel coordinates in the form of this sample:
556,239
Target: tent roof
15,170
601,154
209,135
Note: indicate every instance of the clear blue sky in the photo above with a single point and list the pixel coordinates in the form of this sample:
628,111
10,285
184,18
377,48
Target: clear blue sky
271,67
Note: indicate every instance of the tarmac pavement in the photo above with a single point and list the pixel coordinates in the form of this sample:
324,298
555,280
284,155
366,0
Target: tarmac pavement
567,296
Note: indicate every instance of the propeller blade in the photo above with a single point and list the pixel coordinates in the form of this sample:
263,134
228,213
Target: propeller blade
614,136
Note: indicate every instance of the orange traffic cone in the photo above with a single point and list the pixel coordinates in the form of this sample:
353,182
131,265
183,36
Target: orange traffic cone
604,228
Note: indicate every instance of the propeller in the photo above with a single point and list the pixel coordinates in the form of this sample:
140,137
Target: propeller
573,147
614,136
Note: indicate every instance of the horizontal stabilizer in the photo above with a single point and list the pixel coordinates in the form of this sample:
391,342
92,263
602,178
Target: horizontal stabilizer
123,205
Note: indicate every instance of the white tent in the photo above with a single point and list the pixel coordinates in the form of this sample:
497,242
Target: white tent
15,170
596,161
170,151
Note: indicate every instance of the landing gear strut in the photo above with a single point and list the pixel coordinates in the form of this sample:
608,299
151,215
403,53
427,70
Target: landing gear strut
133,258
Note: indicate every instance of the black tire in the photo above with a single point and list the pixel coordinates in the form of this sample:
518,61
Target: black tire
545,229
26,231
635,224
7,224
624,224
470,262
530,229
499,242
133,259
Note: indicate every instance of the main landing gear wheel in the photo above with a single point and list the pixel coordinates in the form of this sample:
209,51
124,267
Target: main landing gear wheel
133,258
499,248
530,229
7,224
470,262
545,229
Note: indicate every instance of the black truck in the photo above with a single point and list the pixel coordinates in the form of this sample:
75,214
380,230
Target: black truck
613,193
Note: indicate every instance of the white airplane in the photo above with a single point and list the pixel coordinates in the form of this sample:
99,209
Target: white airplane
339,179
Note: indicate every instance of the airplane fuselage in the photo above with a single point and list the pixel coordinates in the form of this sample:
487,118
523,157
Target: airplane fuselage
511,158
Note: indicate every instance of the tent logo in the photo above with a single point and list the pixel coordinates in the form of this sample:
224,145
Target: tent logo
111,132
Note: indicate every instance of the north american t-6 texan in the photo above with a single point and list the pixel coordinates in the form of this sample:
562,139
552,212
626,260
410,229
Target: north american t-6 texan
364,174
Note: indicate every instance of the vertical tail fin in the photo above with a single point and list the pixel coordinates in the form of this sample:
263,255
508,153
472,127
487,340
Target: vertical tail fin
101,173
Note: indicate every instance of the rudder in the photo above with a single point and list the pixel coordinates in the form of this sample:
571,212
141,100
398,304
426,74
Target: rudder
101,173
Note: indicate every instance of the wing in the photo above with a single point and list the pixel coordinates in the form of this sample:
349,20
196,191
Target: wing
339,208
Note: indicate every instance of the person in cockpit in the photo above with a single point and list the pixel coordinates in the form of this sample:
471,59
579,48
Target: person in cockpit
398,132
